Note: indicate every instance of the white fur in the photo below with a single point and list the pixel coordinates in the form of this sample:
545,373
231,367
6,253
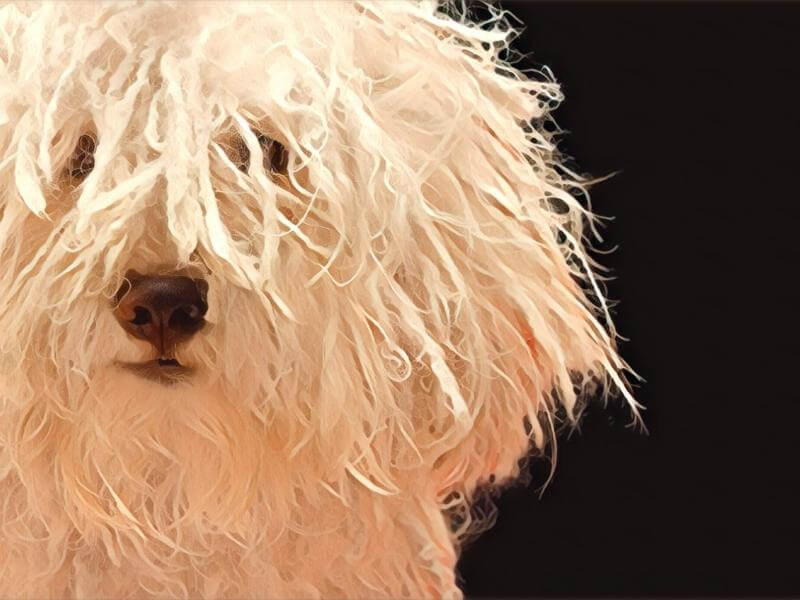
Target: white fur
392,322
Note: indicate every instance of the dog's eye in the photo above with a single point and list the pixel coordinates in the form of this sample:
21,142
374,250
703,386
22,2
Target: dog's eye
81,162
275,155
276,158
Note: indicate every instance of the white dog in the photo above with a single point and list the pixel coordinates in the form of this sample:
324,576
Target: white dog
281,284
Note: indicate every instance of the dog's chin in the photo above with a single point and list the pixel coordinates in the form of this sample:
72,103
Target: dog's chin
163,371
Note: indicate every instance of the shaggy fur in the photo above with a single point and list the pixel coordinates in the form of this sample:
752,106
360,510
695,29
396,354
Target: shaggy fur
395,319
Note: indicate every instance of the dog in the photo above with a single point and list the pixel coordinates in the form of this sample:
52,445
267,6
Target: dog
283,287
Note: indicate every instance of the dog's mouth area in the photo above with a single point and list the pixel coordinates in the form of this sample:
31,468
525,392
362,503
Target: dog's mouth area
163,370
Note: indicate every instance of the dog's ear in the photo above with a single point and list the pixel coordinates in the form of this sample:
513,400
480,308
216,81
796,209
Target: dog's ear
533,338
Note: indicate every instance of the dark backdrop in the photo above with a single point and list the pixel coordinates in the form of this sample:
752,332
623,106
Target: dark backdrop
697,104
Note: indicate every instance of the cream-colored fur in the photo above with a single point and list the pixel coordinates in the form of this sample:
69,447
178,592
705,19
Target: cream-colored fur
393,321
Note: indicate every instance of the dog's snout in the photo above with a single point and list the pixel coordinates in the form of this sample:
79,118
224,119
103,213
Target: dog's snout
163,310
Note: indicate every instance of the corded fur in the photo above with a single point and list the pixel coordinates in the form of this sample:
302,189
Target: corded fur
394,321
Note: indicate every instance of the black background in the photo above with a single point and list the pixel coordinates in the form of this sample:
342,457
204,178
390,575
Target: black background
697,104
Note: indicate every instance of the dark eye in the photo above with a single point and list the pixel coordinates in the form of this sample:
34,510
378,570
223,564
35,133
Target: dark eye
276,158
81,162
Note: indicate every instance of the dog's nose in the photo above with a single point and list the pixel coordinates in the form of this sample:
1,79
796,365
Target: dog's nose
164,310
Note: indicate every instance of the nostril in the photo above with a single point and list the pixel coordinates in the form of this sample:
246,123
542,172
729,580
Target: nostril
142,316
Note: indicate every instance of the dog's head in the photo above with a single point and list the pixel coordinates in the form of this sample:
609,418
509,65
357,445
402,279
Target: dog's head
339,237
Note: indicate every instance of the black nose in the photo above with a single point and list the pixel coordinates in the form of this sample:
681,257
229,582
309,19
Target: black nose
164,310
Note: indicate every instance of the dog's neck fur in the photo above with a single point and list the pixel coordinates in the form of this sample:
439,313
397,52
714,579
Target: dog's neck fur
206,493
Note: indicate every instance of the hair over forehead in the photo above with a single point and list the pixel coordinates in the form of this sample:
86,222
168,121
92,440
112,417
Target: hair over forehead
386,87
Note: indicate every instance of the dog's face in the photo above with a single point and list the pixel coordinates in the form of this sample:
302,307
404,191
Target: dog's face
247,250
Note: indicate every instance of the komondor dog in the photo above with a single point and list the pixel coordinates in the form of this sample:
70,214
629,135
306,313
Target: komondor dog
283,287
